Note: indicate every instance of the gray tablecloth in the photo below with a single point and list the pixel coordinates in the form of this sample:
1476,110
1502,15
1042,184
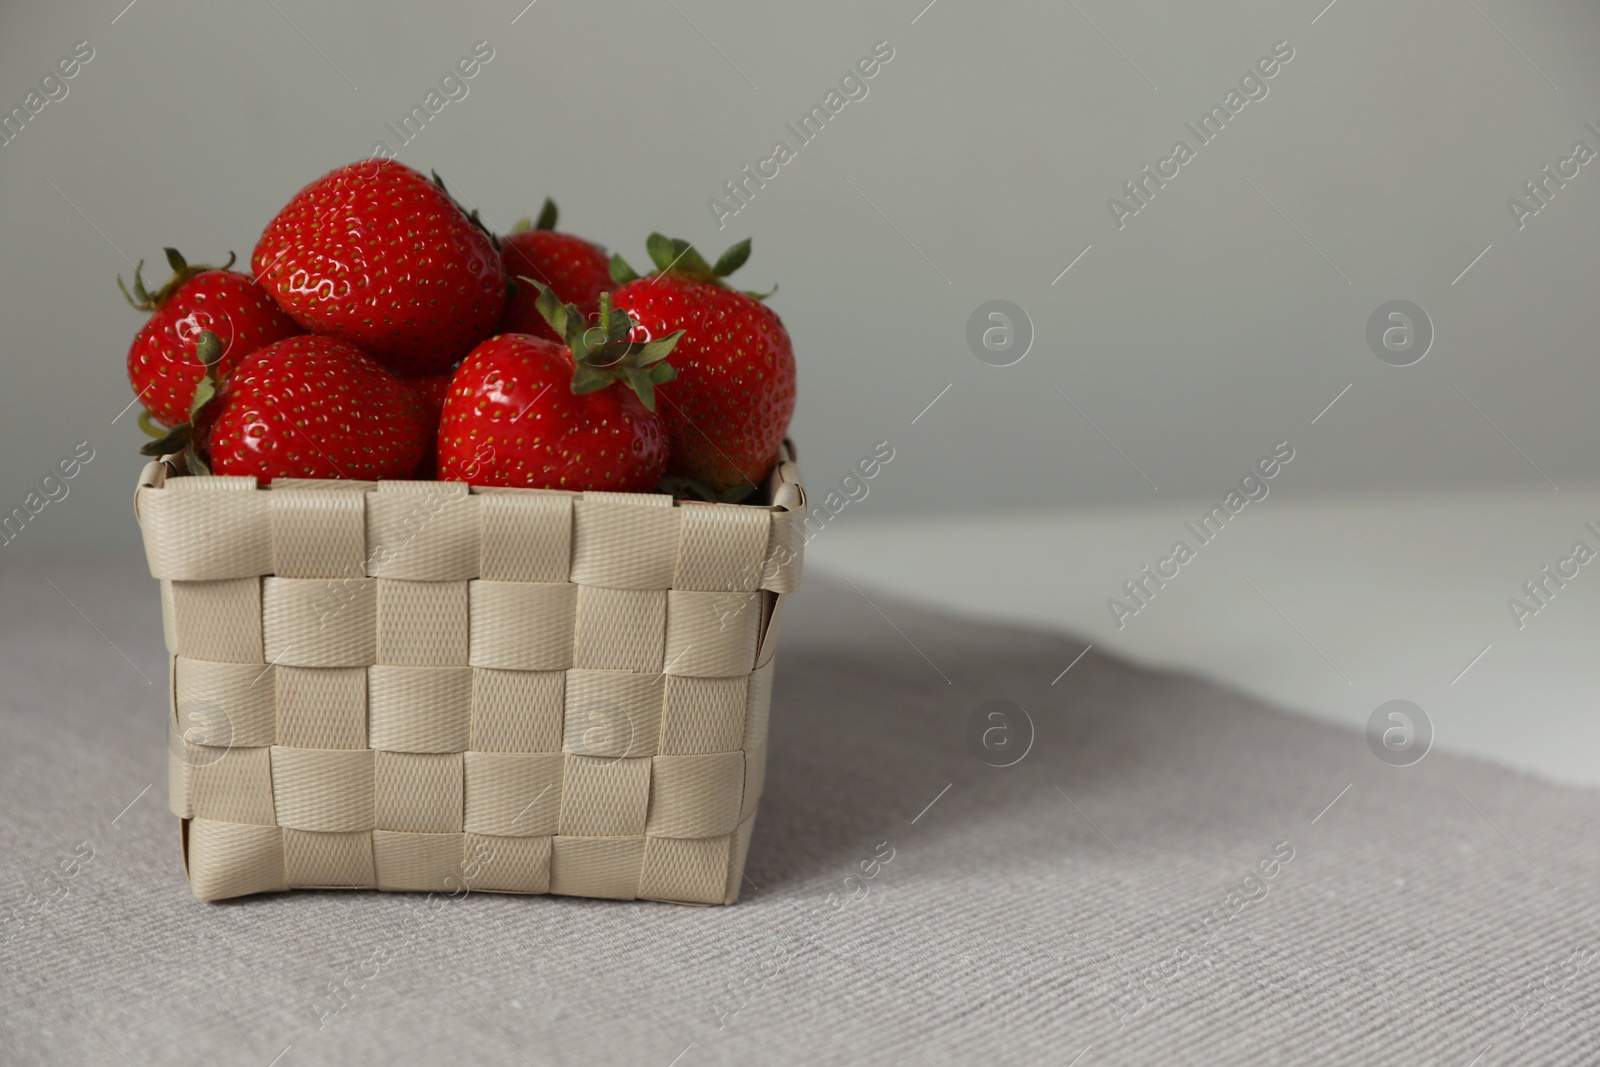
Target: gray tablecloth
1160,879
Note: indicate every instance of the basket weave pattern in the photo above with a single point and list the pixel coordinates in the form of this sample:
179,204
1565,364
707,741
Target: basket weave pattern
417,686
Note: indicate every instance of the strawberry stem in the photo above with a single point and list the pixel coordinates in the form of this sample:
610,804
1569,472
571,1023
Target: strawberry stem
603,353
143,299
675,257
547,219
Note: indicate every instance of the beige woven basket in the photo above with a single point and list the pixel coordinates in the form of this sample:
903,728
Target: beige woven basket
416,686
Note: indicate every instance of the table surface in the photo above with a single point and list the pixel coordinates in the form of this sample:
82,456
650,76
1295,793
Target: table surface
1171,872
1325,607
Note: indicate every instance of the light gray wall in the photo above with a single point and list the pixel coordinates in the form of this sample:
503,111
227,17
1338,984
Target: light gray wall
1218,321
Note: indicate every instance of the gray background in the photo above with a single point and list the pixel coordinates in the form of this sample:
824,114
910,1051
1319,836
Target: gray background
981,160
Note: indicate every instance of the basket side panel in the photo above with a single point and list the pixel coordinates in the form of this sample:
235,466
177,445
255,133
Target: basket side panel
233,860
721,548
685,871
597,866
415,686
510,864
204,529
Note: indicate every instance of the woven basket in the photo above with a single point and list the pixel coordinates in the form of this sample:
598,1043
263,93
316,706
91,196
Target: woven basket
416,686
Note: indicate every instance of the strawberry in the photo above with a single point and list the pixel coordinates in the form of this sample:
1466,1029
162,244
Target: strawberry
377,255
728,410
526,411
162,365
575,269
430,390
303,407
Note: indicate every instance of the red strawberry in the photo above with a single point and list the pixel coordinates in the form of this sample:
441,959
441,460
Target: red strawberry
162,365
728,410
577,271
376,254
430,390
303,407
525,411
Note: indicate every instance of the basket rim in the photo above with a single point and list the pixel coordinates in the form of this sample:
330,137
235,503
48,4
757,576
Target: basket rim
784,489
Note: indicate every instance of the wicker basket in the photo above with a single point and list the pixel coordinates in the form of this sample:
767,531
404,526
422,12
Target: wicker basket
417,686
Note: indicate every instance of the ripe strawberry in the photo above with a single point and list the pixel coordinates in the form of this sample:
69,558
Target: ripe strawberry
577,271
377,255
525,411
303,407
162,365
430,390
728,410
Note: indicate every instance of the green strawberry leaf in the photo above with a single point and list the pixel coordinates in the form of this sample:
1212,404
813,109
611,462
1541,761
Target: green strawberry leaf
584,340
621,272
680,485
732,259
149,425
692,262
602,352
684,487
204,391
653,352
547,216
182,270
208,348
192,459
641,382
139,299
677,256
550,307
522,225
663,252
174,440
615,357
587,379
209,351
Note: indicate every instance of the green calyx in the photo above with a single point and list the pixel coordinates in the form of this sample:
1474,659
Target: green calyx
602,349
676,258
181,437
547,219
684,487
143,299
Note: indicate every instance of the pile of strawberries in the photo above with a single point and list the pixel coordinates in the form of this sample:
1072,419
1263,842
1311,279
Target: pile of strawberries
385,333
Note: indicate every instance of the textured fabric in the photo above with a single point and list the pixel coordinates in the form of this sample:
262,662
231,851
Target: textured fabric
1031,912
